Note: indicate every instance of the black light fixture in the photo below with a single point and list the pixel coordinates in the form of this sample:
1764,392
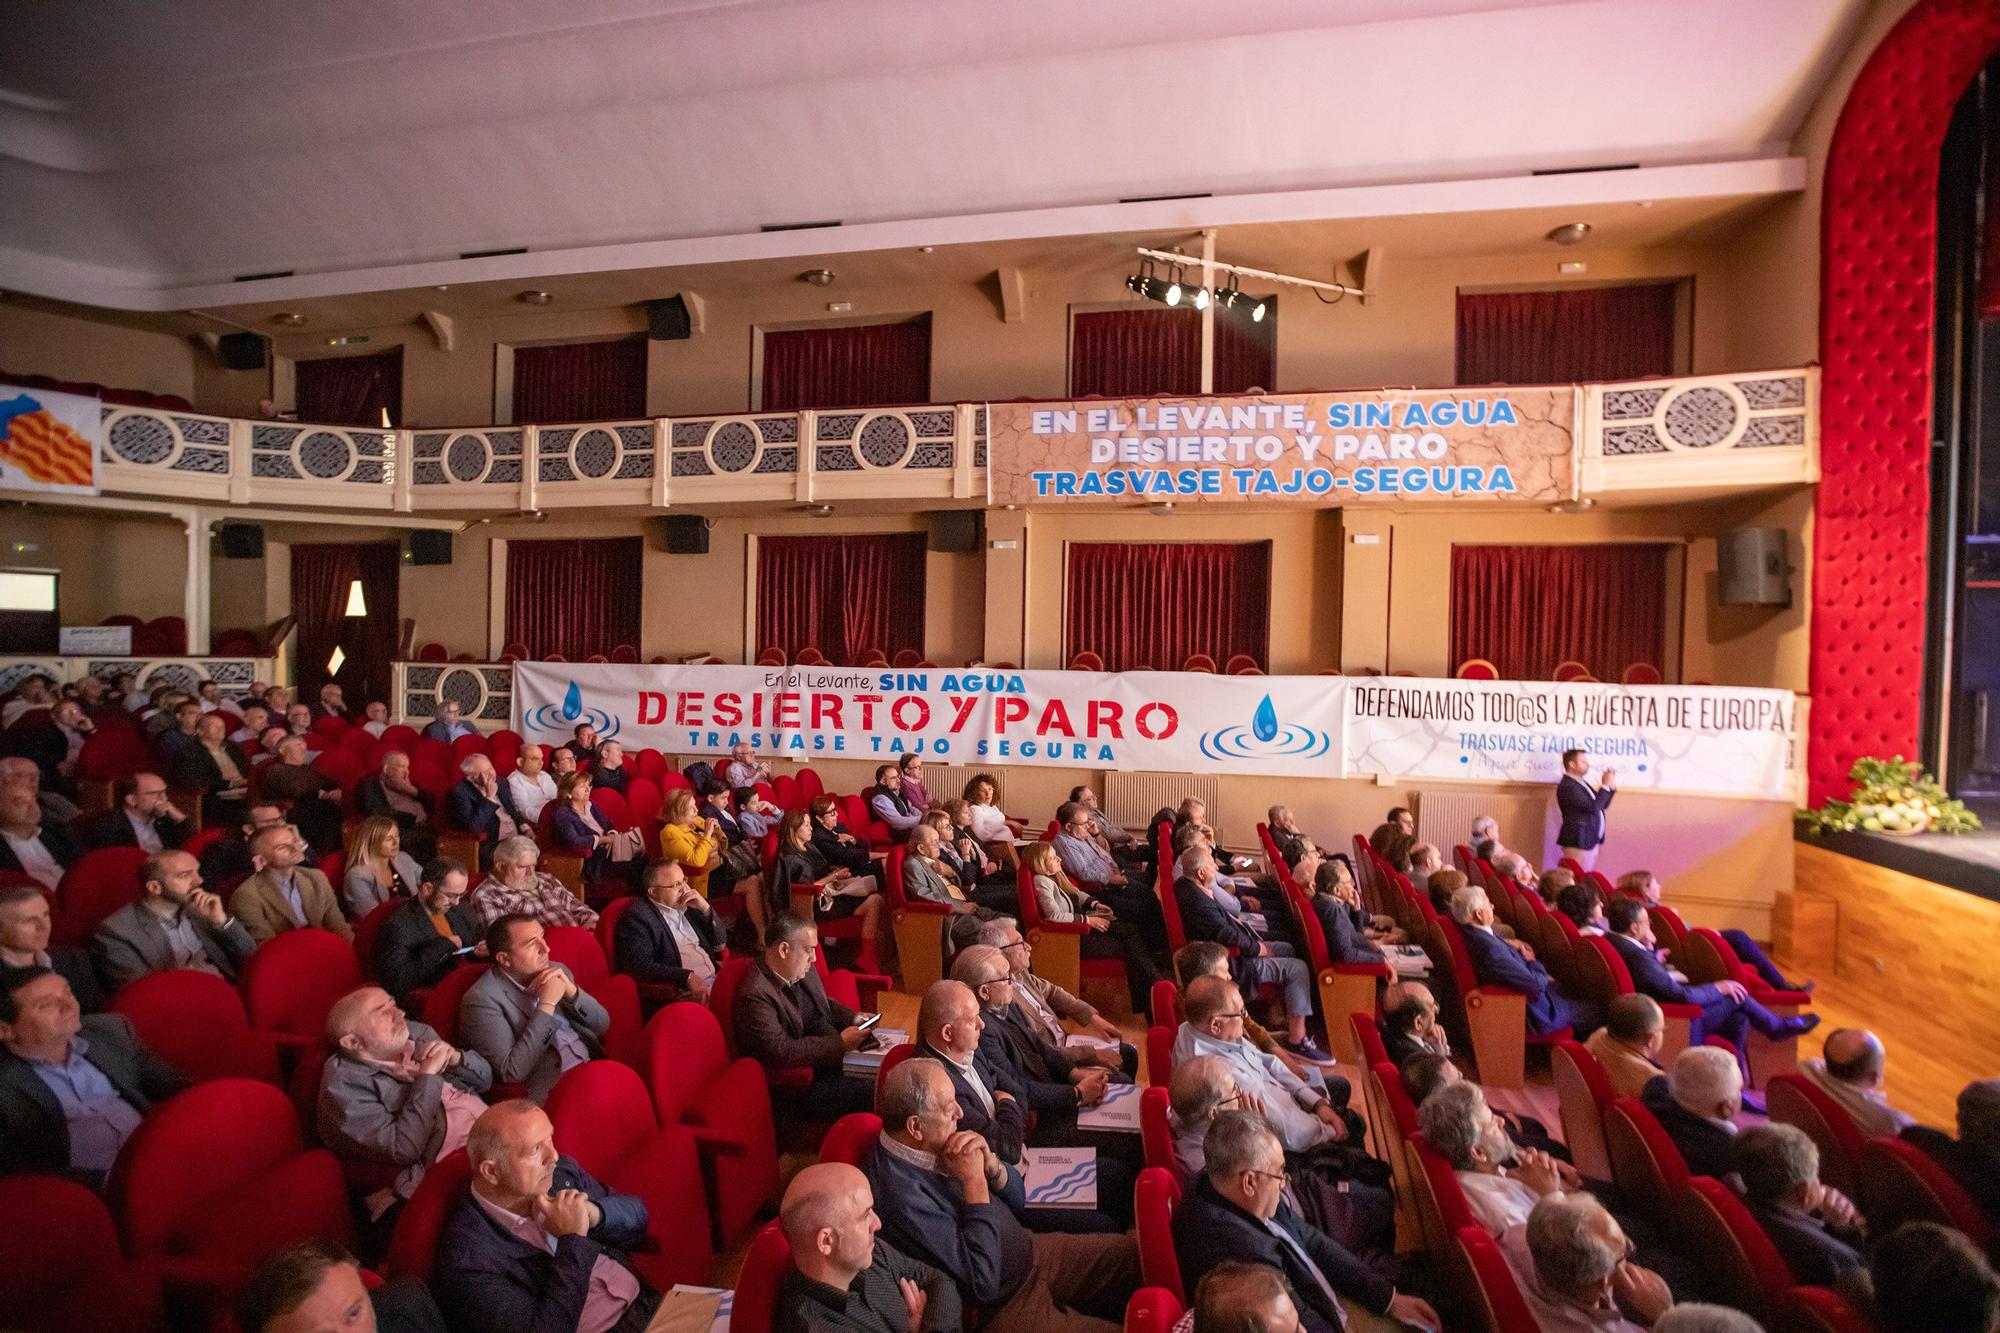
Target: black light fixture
1262,303
1144,283
1227,293
1176,288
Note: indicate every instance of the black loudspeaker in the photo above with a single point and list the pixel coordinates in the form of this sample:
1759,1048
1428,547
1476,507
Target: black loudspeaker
679,534
667,319
957,531
242,541
241,351
429,546
1752,568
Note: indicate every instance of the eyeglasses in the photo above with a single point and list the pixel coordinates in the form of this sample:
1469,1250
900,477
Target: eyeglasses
1282,1177
1235,1013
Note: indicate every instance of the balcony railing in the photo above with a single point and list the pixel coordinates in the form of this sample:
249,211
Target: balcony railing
234,674
1710,432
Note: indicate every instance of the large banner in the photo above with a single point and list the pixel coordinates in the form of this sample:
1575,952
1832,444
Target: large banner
1701,739
1384,445
48,441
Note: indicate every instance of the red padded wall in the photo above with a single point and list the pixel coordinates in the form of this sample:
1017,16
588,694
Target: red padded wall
1879,257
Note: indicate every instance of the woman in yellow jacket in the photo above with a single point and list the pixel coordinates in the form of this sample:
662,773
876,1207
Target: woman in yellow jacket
698,845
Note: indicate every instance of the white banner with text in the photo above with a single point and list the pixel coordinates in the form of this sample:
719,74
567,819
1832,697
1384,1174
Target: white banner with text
1696,739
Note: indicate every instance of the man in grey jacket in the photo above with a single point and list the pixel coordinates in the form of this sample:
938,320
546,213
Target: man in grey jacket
527,1015
174,923
393,1093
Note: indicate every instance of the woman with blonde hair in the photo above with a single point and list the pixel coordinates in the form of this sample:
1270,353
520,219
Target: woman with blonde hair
1058,898
378,868
701,848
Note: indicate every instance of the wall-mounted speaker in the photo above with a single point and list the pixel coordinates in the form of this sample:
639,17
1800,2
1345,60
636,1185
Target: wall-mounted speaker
429,546
241,351
679,534
1752,568
668,320
957,531
241,541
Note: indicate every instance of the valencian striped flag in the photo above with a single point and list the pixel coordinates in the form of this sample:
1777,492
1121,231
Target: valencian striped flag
49,441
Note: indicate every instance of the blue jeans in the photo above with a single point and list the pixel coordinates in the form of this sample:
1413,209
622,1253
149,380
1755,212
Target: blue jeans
1290,975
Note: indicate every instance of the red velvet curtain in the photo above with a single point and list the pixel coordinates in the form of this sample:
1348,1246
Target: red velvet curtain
1246,350
600,381
322,574
861,365
1155,604
573,598
1150,351
1558,337
350,390
1526,609
841,595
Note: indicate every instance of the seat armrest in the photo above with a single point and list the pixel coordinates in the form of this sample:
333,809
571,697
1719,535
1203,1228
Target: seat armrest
1382,970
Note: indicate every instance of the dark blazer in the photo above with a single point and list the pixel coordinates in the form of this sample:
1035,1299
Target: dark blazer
490,1279
1345,942
405,1305
473,810
647,951
1650,975
1815,1252
74,966
1006,1130
111,828
1209,1229
982,1247
783,1027
1203,918
33,1134
1495,964
370,799
1977,1175
52,837
410,954
194,768
853,855
617,779
1582,812
1706,1147
1036,1064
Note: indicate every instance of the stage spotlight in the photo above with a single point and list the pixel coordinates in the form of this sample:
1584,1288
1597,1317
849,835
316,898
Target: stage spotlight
1263,303
1226,296
1143,283
1200,298
1175,287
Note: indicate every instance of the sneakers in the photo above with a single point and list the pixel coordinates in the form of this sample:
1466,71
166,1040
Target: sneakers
1306,1050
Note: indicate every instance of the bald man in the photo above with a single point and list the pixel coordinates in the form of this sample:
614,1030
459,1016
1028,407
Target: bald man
1850,1070
845,1278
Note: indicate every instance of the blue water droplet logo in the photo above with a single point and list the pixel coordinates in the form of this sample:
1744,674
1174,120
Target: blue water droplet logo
1264,722
573,703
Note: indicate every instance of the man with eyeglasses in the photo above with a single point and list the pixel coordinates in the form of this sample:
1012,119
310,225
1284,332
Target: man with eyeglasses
425,937
1236,1210
1045,1005
1085,861
142,815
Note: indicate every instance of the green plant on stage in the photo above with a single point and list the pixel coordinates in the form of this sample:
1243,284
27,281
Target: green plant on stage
1891,796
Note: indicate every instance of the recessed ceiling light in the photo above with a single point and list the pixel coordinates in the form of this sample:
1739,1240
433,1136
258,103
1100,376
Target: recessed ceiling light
1645,203
926,249
442,287
1570,233
818,277
289,319
534,296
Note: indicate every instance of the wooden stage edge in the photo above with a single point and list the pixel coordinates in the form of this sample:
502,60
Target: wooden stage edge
1910,959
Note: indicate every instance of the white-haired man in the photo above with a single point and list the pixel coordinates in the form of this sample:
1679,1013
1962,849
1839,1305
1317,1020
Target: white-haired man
1697,1102
1569,1259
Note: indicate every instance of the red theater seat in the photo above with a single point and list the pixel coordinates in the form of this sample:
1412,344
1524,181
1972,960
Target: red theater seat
65,1272
98,884
421,1220
1156,1133
195,1022
1645,1165
1898,1182
1153,1202
765,1265
852,1137
1153,1310
1505,1311
1477,668
1796,1100
724,1102
1739,1264
291,982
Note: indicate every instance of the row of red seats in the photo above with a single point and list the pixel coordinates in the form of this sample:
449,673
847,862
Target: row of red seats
166,402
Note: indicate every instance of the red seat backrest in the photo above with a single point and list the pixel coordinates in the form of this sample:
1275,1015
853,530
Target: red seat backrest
643,799
1794,1099
601,1113
65,1271
367,929
195,1022
611,807
475,743
1445,1189
1156,1132
810,785
421,1220
291,982
1737,1258
722,996
577,949
1506,1309
441,1006
892,1057
607,927
685,1051
1154,1200
1166,1005
764,1267
1159,1054
97,885
1818,1310
1398,1097
1899,1182
1369,1037
851,1138
1646,1166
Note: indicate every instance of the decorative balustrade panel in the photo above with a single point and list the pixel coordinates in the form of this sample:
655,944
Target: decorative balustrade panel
478,467
483,691
233,674
1712,431
147,451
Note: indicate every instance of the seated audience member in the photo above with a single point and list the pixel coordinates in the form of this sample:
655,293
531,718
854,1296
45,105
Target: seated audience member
1514,867
30,846
834,841
316,1287
784,1020
928,879
298,719
1815,1227
172,924
1441,886
1927,1278
1060,900
1502,1181
696,844
889,803
958,849
1486,832
378,868
277,698
1077,848
529,786
1425,861
1394,846
394,1093
1973,1158
1200,1088
743,768
158,714
583,746
1696,1103
754,815
447,725
741,847
562,762
1345,925
1727,1009
1569,1261
1584,906
1850,1070
228,857
845,1277
1424,1073
527,1015
1257,961
311,798
1699,1318
1242,1298
537,1242
671,939
1550,884
1508,963
256,718
1645,885
911,769
515,887
989,823
1628,1045
838,892
420,941
268,741
72,1089
209,695
142,815
1114,837
32,692
949,1027
1410,1023
946,1199
1205,958
390,792
375,719
610,771
25,925
285,893
171,743
577,829
332,702
17,771
1046,1005
1402,820
477,804
1060,1080
1235,1211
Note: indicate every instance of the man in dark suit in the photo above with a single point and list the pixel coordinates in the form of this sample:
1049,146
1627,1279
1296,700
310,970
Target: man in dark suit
72,1089
671,938
1511,964
527,1015
1696,1103
1815,1228
228,857
317,1285
537,1242
1726,1007
420,941
1973,1158
26,922
784,1020
1582,807
1235,1210
215,766
29,846
843,1277
1256,960
478,803
141,815
949,1026
173,923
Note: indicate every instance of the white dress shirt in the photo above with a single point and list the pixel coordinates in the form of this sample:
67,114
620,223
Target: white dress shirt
693,956
36,860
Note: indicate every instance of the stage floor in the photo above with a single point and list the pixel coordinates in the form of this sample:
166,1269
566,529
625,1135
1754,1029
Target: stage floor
1969,862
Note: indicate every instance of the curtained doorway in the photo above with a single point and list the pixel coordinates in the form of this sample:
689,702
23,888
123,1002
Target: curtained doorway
322,576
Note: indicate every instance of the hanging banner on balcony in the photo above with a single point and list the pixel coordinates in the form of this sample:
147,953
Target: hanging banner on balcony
1726,742
1394,446
50,441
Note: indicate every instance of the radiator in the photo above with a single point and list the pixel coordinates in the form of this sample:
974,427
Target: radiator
1131,798
947,781
1444,818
